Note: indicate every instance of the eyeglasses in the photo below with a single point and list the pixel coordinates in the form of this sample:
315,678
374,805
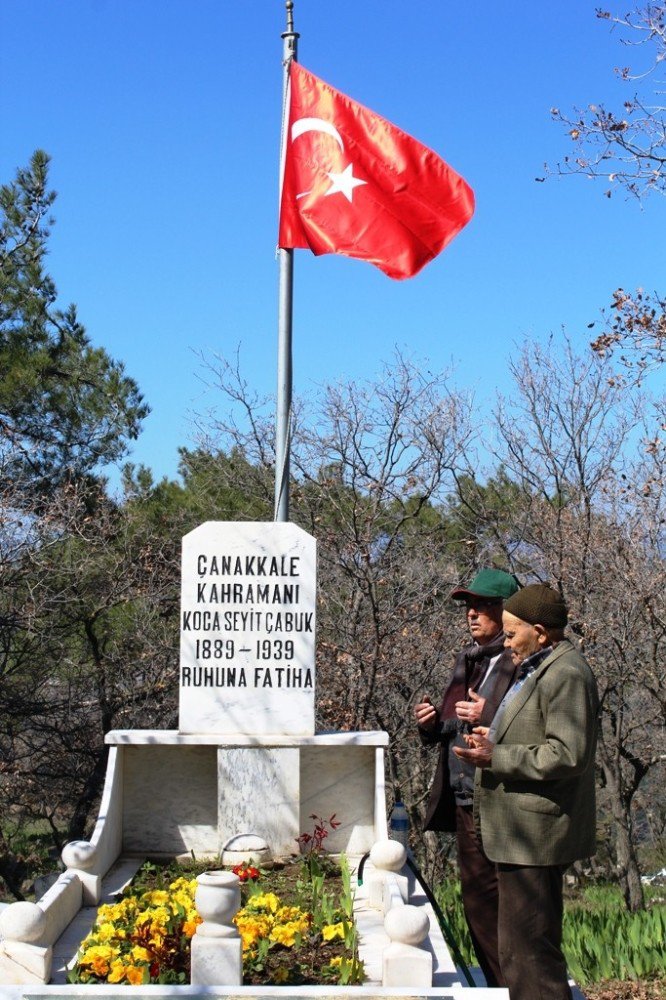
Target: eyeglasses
481,603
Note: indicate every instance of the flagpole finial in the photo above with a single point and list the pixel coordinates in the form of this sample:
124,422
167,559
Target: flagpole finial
289,37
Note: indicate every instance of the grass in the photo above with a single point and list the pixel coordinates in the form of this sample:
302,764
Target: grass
28,851
604,944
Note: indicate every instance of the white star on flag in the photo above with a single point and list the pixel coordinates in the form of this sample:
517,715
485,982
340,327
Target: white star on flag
343,183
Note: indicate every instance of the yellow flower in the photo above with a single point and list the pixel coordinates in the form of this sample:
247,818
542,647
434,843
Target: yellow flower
140,954
190,925
281,975
178,883
98,958
117,973
332,931
157,897
128,906
186,885
135,975
336,962
252,927
106,932
286,913
158,918
265,901
284,934
182,899
100,951
161,915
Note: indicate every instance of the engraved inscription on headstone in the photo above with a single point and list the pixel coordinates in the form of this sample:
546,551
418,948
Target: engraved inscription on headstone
247,629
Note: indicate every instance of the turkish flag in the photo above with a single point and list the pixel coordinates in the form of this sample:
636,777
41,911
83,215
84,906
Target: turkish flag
357,185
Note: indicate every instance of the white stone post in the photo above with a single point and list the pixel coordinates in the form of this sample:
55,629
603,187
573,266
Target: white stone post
386,856
80,857
217,958
403,962
23,960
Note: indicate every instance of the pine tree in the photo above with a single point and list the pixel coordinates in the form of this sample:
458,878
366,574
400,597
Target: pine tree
66,407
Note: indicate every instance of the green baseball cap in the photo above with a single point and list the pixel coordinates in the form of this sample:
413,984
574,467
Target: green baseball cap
493,584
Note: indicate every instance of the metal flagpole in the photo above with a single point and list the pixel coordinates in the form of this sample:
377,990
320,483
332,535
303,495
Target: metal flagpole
285,297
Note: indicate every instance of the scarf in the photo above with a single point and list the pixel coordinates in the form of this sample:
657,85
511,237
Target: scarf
471,665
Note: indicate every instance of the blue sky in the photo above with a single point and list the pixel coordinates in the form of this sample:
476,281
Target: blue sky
162,118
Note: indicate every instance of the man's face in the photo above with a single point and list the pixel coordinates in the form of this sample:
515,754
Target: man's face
522,638
484,618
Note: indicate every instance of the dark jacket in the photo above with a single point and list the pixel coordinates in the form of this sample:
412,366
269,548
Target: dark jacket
440,810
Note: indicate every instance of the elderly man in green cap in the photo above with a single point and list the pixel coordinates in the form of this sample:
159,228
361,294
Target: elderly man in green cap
535,789
482,674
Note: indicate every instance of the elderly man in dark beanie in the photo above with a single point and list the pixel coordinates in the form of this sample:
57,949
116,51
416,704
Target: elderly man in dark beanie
534,797
482,674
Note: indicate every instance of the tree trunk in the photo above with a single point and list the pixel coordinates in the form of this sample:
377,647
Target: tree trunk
89,795
629,874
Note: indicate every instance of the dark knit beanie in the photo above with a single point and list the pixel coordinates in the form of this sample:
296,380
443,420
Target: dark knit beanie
538,605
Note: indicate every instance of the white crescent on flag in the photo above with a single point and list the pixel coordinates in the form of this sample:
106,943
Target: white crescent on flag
315,125
342,182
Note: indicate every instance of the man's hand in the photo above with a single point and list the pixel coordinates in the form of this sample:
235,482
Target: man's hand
479,749
425,713
470,711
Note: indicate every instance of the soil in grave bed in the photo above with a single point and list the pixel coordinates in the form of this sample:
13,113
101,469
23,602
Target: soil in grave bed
283,877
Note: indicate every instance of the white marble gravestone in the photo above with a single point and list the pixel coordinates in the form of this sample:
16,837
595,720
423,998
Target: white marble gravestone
247,631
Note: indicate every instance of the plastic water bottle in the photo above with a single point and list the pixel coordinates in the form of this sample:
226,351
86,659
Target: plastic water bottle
399,825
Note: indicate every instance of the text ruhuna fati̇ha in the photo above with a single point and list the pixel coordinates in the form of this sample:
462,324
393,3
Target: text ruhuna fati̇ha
262,677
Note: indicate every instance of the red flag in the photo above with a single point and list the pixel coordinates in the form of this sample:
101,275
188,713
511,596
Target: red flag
357,185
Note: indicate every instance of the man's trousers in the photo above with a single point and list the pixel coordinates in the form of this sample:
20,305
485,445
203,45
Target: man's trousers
530,932
478,878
